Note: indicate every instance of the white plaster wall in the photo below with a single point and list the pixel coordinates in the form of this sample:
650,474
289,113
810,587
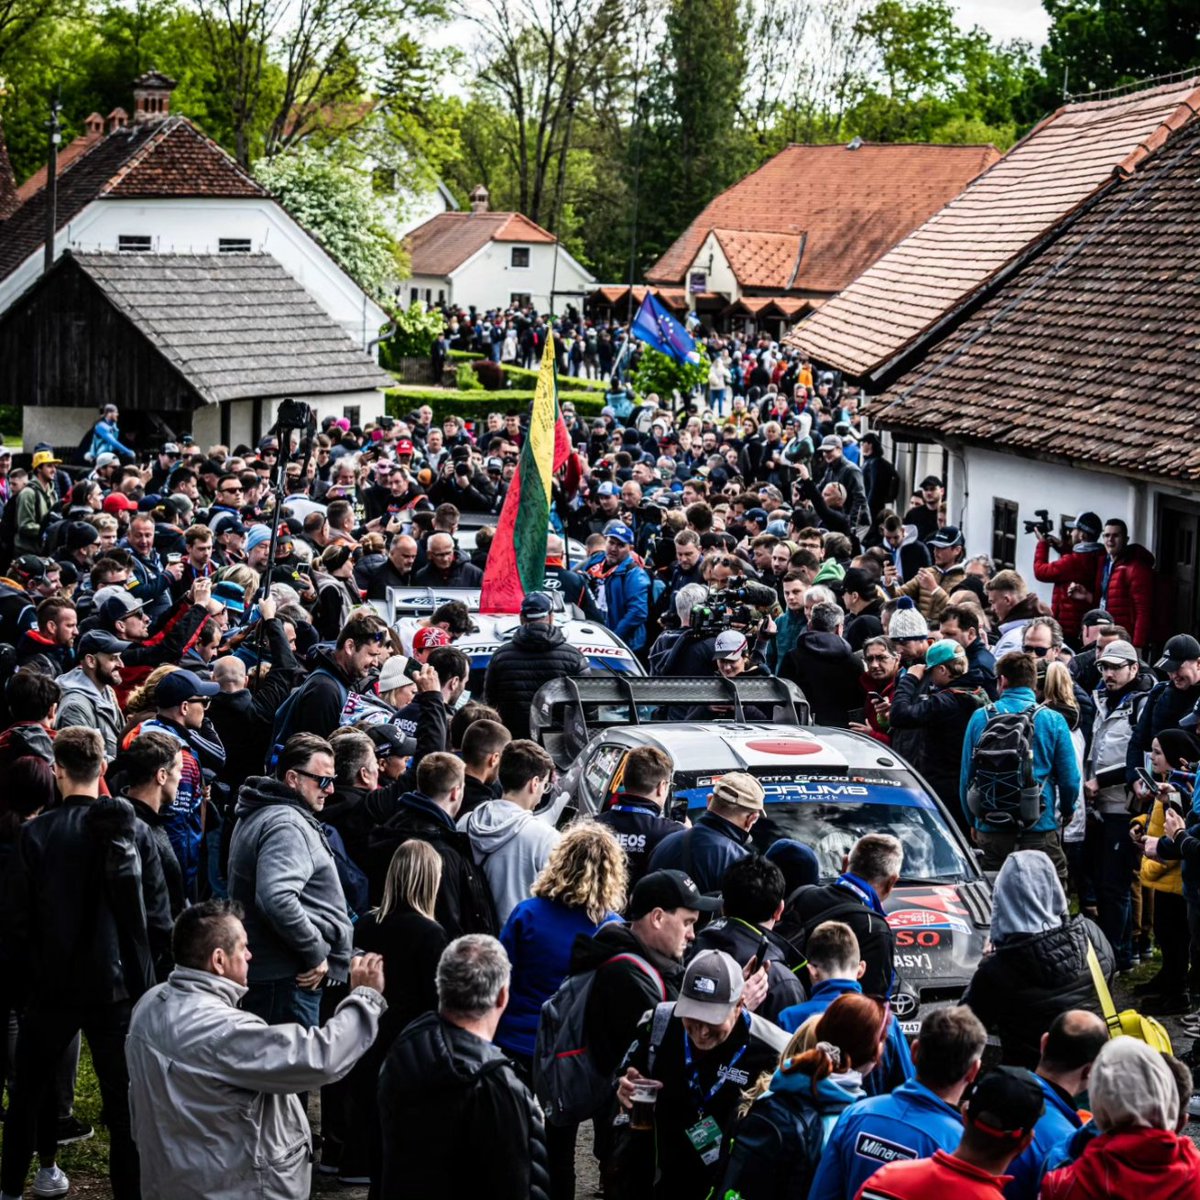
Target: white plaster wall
194,226
206,422
978,476
489,279
720,276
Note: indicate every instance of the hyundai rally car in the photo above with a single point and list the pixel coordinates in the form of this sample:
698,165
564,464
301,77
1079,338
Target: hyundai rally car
405,608
824,787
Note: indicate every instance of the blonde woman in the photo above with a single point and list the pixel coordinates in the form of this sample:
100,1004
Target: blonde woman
403,930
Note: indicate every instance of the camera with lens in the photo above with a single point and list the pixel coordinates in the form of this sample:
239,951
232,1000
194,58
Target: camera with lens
295,414
744,606
1043,525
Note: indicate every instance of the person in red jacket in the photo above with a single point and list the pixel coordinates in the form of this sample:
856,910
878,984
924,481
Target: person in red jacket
1126,582
999,1112
1135,1104
1074,574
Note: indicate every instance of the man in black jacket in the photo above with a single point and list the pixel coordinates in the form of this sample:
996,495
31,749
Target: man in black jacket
152,766
861,596
444,569
464,900
88,911
482,745
856,898
825,668
636,814
457,1120
537,653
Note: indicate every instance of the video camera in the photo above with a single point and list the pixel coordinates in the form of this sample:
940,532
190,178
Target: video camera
1042,526
738,606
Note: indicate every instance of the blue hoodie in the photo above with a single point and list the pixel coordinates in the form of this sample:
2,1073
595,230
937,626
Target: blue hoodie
779,1144
1058,1122
912,1122
1054,760
896,1066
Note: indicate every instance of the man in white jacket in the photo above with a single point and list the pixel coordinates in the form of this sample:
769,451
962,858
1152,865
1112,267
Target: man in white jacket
508,841
213,1088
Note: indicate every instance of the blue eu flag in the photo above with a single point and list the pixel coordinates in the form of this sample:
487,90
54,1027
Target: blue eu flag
656,327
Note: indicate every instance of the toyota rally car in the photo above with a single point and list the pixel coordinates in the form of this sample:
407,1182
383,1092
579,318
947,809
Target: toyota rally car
824,787
606,654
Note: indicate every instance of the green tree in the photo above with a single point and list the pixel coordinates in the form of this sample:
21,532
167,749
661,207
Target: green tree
334,203
660,373
1104,43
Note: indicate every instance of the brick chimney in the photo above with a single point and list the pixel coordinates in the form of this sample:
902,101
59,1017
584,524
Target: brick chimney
479,199
93,127
117,119
152,97
9,201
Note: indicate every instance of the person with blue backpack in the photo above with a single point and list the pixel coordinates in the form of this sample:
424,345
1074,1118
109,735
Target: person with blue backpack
1019,776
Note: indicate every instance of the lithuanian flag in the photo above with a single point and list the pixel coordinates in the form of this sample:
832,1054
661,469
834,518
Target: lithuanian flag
516,563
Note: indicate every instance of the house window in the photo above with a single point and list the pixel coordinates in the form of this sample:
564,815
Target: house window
233,245
520,256
353,414
520,299
1004,533
134,243
383,181
441,295
414,295
428,295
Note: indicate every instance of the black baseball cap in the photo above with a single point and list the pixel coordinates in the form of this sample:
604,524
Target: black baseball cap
669,890
391,741
100,641
931,481
1179,649
1097,616
1006,1103
946,537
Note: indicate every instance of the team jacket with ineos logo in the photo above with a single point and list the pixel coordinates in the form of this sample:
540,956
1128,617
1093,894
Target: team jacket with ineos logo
639,826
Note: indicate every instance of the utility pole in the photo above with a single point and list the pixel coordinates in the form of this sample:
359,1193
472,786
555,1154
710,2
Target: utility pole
52,178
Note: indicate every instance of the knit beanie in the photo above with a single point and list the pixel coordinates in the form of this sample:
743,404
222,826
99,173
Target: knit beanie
907,621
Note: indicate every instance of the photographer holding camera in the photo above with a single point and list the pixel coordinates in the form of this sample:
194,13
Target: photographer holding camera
459,484
1075,573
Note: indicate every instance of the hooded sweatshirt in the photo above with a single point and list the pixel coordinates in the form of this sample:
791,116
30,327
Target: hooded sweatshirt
84,703
512,846
1028,897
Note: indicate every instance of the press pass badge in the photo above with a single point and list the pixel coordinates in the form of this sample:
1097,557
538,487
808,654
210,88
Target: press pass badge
705,1136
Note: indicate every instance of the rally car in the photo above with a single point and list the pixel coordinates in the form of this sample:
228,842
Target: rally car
824,787
606,654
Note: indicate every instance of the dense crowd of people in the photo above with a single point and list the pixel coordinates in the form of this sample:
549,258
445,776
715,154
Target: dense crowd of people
256,843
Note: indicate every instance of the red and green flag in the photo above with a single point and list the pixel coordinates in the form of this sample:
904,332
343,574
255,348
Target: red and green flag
516,563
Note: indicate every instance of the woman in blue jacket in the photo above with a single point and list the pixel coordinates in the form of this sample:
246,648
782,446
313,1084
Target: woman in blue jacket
581,887
106,436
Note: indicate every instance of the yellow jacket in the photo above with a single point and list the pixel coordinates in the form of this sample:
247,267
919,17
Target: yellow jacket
1162,877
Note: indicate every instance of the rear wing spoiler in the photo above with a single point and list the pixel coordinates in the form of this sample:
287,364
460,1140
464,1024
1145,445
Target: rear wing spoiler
566,712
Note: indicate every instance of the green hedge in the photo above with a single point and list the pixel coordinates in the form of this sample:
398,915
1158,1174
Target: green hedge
474,406
525,376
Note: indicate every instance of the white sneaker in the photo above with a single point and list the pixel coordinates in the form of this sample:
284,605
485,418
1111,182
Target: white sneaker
51,1181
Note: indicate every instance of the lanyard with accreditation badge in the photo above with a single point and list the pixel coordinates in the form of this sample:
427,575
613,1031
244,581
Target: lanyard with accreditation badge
705,1136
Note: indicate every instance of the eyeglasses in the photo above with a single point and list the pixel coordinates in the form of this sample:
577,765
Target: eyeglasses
203,701
324,782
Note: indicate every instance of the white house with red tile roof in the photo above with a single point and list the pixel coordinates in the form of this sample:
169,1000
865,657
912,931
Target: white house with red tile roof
795,232
490,259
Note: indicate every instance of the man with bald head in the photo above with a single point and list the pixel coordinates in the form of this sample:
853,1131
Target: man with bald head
444,568
396,570
569,584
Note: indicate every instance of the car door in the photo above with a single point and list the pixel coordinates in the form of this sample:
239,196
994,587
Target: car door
600,761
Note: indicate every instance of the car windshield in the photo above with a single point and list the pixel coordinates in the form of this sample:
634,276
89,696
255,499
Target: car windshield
831,815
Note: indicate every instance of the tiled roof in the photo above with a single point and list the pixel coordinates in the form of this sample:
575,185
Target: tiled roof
1090,351
446,241
847,205
1004,212
234,325
165,158
66,156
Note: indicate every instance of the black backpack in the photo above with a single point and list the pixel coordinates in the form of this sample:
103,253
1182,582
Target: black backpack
1002,789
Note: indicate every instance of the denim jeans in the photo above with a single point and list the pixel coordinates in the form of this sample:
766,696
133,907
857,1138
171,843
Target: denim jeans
281,1002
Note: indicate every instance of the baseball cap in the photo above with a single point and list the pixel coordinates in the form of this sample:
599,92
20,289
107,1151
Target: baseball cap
229,525
31,566
45,458
1117,654
947,536
620,531
118,502
100,641
495,464
257,535
1004,1103
394,673
729,644
170,448
118,607
1179,649
230,594
757,515
739,789
536,606
608,489
403,446
832,442
712,986
669,890
182,685
106,459
1097,616
391,742
931,481
149,502
430,637
1089,522
940,653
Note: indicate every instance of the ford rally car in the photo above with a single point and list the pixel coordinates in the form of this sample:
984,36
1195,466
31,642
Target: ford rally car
824,787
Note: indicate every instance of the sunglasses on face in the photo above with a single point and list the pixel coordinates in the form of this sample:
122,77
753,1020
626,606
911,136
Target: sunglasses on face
324,782
231,490
1040,651
203,701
